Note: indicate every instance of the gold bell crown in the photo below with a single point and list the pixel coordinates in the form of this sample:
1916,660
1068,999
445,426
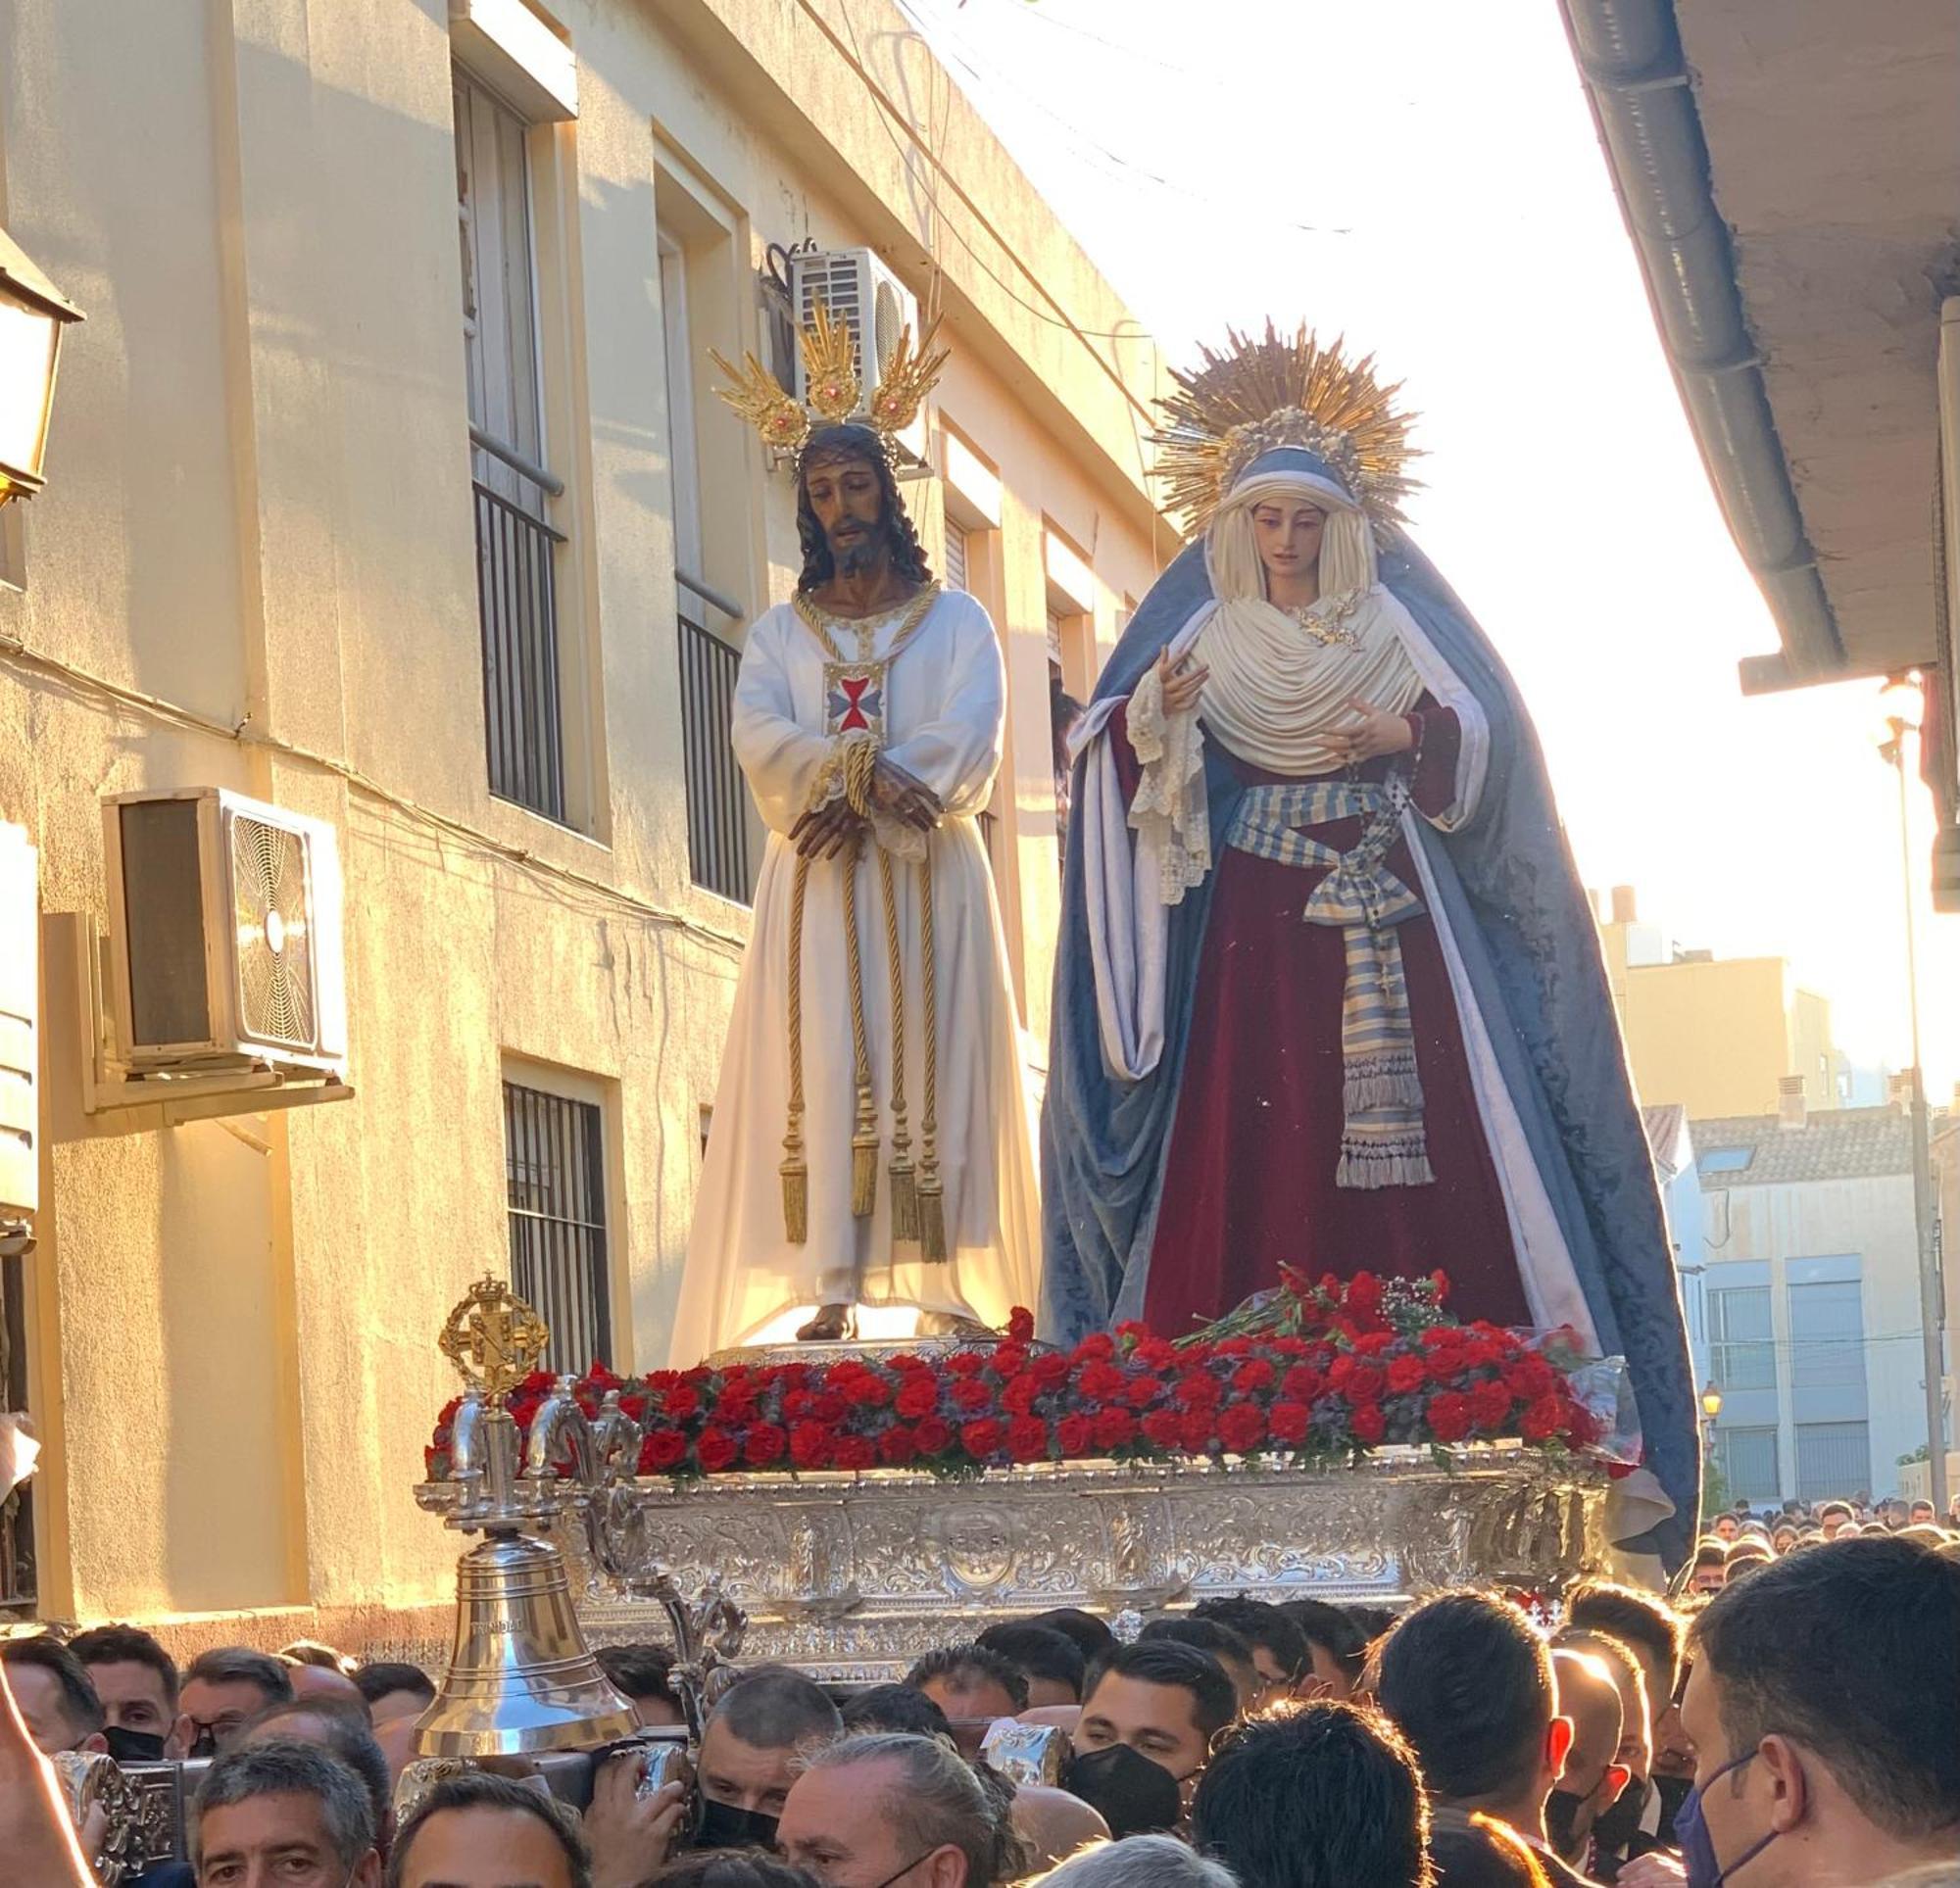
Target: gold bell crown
1255,395
835,392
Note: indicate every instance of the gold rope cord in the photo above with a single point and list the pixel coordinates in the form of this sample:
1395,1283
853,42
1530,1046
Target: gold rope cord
859,759
817,621
931,1190
795,1169
900,1173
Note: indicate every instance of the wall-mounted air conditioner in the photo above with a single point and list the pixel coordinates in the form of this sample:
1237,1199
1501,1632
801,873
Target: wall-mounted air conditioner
859,290
225,946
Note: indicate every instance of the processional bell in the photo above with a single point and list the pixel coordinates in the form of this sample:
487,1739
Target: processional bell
520,1677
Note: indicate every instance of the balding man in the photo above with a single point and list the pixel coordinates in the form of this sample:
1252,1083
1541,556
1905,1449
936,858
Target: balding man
1593,1775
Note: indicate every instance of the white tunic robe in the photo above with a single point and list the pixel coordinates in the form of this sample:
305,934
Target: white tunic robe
942,724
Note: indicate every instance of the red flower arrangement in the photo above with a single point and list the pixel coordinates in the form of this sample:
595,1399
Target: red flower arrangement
1313,1375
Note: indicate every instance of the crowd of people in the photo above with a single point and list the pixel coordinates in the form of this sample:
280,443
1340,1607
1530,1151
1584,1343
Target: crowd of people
1798,1727
1741,1539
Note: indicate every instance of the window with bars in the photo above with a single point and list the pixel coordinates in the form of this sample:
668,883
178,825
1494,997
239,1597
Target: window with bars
555,1167
517,545
954,572
1827,1335
1748,1459
1833,1458
1741,1340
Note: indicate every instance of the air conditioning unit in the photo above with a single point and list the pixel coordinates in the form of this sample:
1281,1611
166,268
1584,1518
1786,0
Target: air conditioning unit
224,935
859,290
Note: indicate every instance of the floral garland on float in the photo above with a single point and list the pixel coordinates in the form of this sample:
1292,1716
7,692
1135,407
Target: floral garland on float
1307,1376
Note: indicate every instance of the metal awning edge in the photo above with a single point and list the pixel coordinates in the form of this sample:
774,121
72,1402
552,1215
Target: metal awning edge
1629,57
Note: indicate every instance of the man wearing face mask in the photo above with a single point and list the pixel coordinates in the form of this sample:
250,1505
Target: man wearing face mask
1618,1822
1824,1706
750,1753
136,1680
1154,1703
1594,1778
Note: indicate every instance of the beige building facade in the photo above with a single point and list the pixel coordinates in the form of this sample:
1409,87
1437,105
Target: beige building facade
438,555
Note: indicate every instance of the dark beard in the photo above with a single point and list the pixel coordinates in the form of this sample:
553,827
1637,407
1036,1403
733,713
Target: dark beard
862,558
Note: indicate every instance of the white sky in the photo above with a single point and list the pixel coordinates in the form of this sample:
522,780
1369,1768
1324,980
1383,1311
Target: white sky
1424,176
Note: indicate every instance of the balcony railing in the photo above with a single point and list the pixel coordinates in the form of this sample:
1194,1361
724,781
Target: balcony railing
718,804
518,607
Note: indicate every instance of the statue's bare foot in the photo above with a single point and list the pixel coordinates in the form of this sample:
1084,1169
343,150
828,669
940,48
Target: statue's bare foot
831,1324
952,1324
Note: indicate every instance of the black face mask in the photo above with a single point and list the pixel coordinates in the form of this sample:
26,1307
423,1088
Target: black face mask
724,1826
134,1746
1620,1821
1134,1796
1561,1819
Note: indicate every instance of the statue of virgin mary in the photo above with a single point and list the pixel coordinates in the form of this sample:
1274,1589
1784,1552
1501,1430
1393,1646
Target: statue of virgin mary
1329,992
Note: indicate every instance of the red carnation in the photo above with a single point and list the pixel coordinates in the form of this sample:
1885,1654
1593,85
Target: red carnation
1302,1383
897,1447
662,1450
1199,1390
1242,1427
1115,1429
854,1452
1099,1381
1019,1393
1142,1391
903,1364
1155,1353
1051,1367
1194,1432
1162,1428
797,1403
983,1438
1490,1406
1097,1348
765,1444
1027,1440
1406,1374
917,1397
829,1408
1364,1292
1542,1420
1010,1358
966,1363
1529,1377
868,1392
1340,1373
810,1444
1445,1366
1366,1383
1021,1324
1252,1375
933,1434
681,1402
1073,1434
715,1449
1290,1423
970,1394
1368,1423
1449,1415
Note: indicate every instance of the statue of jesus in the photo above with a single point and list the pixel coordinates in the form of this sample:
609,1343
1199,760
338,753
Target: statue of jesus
871,1141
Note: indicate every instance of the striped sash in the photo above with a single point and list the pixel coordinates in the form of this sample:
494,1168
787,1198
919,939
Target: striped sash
1382,1140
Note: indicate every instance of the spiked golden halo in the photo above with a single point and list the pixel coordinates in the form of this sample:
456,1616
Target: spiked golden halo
1255,395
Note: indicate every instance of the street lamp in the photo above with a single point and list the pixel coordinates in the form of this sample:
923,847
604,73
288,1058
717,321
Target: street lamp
33,311
1711,1399
1902,705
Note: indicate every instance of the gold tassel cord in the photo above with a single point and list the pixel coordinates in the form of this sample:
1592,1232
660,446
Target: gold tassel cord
860,760
901,1172
931,1190
795,1169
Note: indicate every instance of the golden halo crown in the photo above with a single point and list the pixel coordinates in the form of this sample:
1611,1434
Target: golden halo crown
835,391
1255,395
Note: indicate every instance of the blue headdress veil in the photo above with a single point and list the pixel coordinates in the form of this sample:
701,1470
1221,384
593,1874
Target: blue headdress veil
1525,929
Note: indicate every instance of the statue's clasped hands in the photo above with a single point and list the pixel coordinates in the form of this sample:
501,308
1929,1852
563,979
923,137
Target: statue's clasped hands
1379,733
835,827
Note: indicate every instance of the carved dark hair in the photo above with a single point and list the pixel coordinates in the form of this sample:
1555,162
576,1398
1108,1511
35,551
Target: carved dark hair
830,446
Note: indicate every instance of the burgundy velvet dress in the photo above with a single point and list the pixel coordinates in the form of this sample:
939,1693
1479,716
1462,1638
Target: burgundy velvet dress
1248,1184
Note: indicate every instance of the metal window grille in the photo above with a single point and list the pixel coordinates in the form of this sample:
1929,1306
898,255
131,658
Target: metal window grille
1827,1336
956,555
718,804
517,609
1833,1458
555,1166
1748,1459
1742,1350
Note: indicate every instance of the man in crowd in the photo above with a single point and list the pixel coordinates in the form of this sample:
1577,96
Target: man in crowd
1469,1683
1824,1706
750,1753
1049,1660
1314,1796
223,1692
314,1678
56,1699
478,1831
969,1682
1279,1649
1619,1821
640,1673
136,1680
894,1811
1091,1636
345,1736
394,1690
1219,1641
285,1814
1834,1518
1164,1701
1335,1646
1594,1776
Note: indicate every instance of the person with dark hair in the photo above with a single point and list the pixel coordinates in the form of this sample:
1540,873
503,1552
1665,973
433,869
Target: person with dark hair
285,1813
1091,1636
868,719
60,1705
1478,1852
902,1708
970,1681
888,1811
735,1869
760,1731
1279,1647
1335,1645
1212,1637
1470,1683
1049,1660
1824,1706
345,1736
136,1680
1162,1700
1314,1796
394,1690
481,1828
640,1673
223,1690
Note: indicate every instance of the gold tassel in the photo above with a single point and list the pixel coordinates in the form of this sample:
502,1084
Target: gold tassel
864,1157
905,1188
795,1171
931,1213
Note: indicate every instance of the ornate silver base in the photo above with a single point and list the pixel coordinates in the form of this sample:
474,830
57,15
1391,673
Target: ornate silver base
850,1576
866,1350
